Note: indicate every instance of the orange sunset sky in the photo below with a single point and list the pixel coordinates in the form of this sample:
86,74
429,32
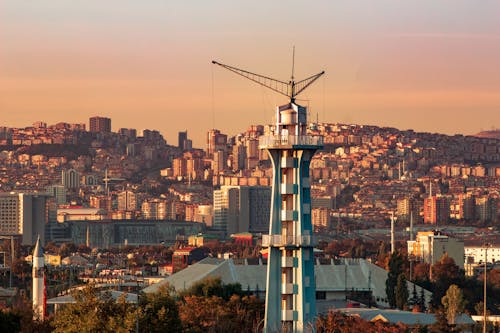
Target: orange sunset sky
428,65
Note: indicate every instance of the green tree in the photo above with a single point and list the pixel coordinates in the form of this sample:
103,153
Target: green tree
441,325
96,312
214,287
453,302
395,268
401,293
159,312
421,301
445,273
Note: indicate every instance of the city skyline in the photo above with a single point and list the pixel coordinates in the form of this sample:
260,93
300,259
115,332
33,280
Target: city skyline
404,65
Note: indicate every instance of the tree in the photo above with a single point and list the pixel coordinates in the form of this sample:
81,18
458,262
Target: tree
421,271
395,268
441,325
453,302
444,274
214,287
96,312
421,301
9,321
414,296
446,269
214,314
336,322
401,293
159,312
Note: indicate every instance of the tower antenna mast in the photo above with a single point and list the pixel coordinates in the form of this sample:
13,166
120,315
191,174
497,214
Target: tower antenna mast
290,89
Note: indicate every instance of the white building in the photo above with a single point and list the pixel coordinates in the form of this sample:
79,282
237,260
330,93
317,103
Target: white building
477,253
23,214
430,246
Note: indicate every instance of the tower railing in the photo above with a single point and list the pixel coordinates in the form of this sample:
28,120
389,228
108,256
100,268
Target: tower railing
283,241
269,141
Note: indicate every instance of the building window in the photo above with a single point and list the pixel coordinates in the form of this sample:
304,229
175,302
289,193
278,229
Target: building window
321,295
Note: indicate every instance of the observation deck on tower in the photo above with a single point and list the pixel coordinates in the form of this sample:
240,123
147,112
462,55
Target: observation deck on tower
290,130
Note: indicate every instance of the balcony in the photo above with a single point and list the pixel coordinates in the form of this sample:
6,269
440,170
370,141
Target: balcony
289,315
290,141
288,162
288,241
289,215
289,188
289,289
289,262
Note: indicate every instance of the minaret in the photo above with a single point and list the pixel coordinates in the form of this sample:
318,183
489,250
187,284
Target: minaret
38,282
290,286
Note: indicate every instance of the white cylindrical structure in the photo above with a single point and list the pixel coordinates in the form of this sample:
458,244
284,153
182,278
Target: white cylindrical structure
38,282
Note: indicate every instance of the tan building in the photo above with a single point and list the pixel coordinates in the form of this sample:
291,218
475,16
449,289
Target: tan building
321,217
23,214
430,246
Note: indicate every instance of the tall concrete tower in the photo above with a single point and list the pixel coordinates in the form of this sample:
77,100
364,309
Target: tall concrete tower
38,282
290,285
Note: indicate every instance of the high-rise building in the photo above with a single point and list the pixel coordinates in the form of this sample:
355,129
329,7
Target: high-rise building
130,133
179,166
127,201
321,218
407,208
486,208
436,210
183,136
239,157
219,162
462,207
101,202
100,124
58,192
155,209
290,287
241,209
23,214
216,141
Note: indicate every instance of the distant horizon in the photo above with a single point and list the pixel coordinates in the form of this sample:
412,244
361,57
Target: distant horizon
427,65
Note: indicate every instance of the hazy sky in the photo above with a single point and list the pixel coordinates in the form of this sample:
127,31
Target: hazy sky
428,65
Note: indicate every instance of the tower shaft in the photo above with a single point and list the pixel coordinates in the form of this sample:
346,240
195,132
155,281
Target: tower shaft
290,285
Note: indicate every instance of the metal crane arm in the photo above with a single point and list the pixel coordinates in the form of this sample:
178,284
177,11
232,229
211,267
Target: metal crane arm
273,84
303,84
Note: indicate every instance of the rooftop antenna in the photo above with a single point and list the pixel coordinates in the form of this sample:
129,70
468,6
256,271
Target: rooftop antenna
293,63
